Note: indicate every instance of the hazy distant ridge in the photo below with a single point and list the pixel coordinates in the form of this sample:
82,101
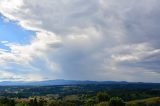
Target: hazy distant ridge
58,82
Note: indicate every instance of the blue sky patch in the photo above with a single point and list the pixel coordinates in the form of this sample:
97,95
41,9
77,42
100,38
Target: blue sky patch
11,32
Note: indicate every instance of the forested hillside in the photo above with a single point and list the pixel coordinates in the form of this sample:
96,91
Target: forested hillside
140,94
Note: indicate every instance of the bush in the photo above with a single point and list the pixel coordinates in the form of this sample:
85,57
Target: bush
7,102
89,102
116,101
102,97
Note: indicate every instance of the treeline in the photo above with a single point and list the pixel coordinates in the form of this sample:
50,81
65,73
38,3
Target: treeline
100,99
127,92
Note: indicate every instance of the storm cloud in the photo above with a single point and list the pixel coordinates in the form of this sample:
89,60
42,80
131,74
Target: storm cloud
84,40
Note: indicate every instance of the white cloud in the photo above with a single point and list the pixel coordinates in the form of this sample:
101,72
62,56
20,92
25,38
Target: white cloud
134,52
5,75
25,55
3,42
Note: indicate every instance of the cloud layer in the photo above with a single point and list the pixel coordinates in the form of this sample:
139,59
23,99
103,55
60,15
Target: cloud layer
86,40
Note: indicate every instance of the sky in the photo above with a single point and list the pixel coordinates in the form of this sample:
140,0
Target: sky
112,40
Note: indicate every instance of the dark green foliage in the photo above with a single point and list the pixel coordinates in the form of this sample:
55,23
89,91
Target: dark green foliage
7,102
33,102
41,102
116,101
102,96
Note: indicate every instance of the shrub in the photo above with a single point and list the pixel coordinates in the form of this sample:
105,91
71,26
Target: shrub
116,101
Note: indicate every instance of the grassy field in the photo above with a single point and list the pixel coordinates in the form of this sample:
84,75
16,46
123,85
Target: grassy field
155,101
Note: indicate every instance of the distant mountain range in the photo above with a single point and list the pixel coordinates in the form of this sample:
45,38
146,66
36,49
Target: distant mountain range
57,82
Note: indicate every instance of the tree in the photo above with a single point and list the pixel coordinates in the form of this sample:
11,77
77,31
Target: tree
41,102
7,102
12,102
102,96
33,102
116,101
